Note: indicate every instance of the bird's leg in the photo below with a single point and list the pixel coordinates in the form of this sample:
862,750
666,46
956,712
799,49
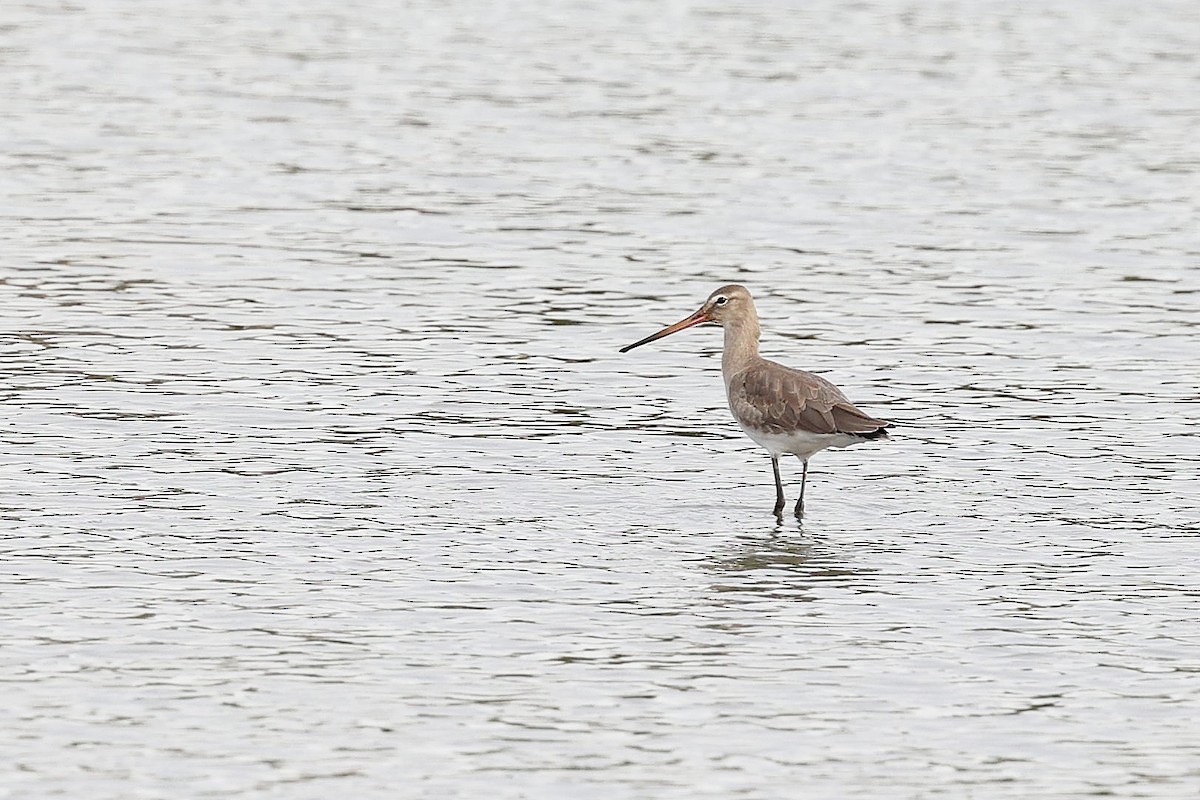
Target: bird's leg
803,480
779,501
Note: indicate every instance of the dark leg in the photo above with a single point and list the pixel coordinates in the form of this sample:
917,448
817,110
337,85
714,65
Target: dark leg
803,480
779,501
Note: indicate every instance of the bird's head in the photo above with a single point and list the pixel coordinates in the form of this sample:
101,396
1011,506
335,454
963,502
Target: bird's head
731,302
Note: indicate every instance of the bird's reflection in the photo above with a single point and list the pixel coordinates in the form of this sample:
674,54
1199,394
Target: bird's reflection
788,564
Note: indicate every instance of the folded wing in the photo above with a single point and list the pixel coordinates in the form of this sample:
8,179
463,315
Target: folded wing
777,399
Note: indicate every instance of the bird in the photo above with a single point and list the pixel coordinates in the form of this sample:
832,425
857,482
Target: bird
786,411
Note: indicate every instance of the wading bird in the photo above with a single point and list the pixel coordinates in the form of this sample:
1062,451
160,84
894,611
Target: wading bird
787,411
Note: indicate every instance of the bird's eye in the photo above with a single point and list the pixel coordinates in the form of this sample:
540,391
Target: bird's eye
722,300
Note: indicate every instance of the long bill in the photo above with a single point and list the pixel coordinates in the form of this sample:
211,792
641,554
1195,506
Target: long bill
695,319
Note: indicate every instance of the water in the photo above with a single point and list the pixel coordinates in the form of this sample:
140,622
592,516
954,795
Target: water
322,474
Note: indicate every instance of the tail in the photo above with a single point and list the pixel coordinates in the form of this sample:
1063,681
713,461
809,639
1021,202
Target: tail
878,433
849,419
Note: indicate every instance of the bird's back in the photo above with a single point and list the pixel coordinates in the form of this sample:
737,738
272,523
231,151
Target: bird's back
769,397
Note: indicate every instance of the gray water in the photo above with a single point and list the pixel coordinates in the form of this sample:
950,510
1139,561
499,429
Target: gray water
322,475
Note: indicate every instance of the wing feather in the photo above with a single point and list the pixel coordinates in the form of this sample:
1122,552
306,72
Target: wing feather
778,399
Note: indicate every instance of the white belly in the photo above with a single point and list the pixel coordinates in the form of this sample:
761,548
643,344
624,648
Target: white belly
800,444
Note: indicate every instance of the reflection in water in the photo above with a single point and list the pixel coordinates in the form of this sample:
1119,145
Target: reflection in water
783,565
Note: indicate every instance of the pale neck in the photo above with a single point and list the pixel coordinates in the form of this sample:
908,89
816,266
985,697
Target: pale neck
741,344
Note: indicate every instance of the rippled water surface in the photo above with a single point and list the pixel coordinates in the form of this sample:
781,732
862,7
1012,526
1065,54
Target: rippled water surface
322,475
